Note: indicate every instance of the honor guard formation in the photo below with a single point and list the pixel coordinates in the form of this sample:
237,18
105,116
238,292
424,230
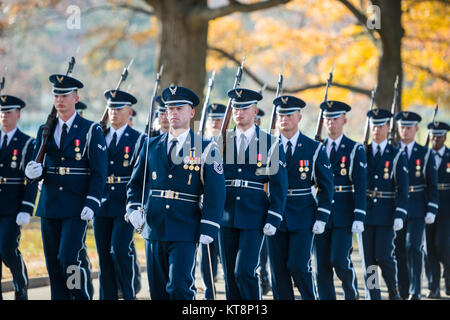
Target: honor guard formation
237,197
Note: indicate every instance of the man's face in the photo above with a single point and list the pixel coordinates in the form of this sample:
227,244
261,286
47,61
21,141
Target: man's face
245,117
180,116
380,133
163,120
407,133
438,142
119,116
215,123
335,125
65,103
9,118
289,122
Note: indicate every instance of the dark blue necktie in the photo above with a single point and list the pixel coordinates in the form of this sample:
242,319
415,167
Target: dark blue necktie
333,152
63,136
112,144
174,143
288,152
378,154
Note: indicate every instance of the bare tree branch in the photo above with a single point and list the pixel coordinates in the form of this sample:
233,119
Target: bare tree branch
429,71
270,88
361,17
120,6
235,6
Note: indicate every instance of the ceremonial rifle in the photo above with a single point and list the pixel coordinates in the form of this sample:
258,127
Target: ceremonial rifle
318,135
227,118
273,117
148,127
366,130
50,124
201,130
105,116
434,117
392,138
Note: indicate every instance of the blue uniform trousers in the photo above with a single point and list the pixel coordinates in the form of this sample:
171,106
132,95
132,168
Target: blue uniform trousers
9,251
263,272
205,268
378,242
64,247
240,251
438,250
290,259
114,239
409,254
333,249
171,267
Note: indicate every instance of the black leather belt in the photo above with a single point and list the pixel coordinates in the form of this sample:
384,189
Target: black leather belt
343,188
443,186
417,188
62,171
6,180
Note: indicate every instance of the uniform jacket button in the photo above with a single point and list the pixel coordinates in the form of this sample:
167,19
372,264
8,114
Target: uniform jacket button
170,176
239,170
238,198
167,206
61,188
111,162
376,176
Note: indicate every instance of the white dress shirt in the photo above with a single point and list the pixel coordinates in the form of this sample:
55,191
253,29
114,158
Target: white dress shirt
293,141
10,135
119,132
249,133
330,142
59,125
382,147
180,140
410,147
438,159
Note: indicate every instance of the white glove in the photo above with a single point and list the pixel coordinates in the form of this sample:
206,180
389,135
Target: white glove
33,170
136,218
204,239
357,227
318,227
23,218
398,224
87,214
269,230
429,218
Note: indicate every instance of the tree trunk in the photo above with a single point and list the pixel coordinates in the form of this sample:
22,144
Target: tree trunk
390,64
182,45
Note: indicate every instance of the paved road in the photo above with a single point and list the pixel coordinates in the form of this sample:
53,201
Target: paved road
43,293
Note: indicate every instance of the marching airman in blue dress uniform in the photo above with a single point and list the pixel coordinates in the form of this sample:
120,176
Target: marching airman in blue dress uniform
422,206
80,107
113,235
215,114
290,249
181,166
333,247
16,195
387,198
438,233
252,159
74,173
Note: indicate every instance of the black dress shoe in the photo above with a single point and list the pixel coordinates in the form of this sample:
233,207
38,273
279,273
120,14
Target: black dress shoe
394,295
414,297
21,294
434,294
